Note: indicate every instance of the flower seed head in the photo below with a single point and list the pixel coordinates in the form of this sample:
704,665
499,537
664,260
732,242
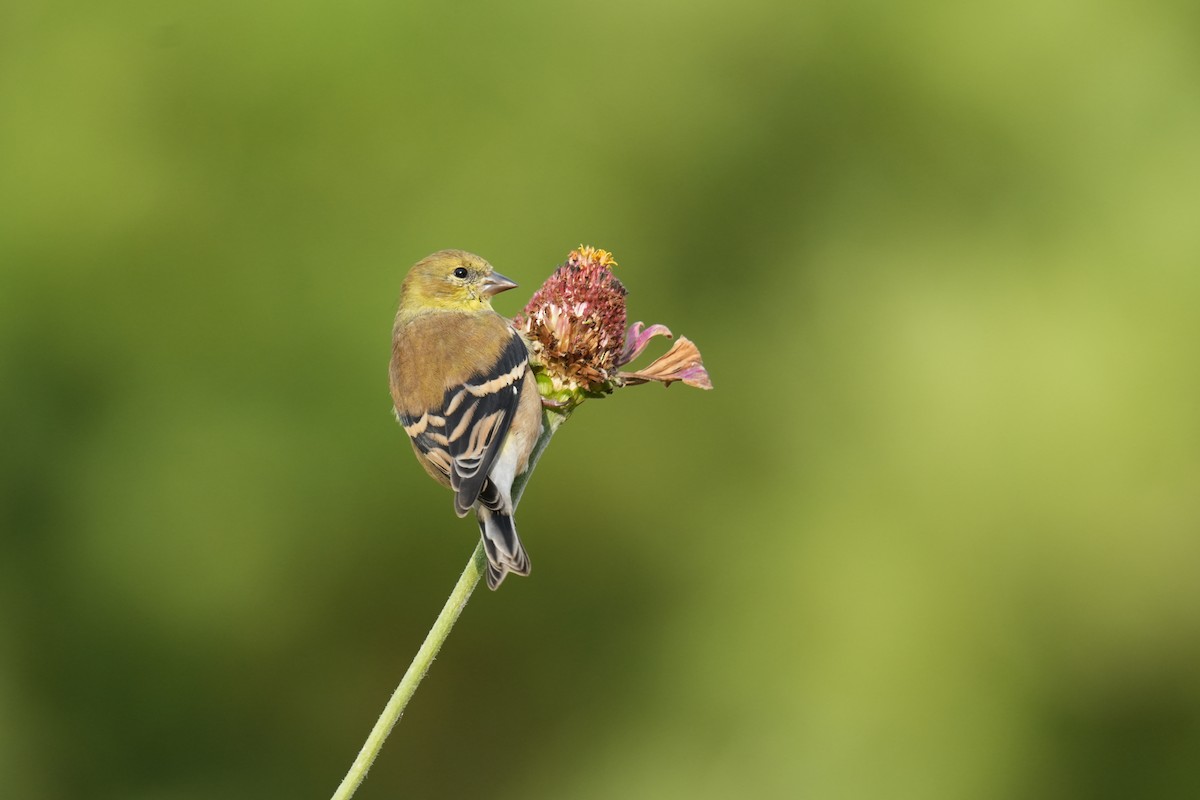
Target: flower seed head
575,323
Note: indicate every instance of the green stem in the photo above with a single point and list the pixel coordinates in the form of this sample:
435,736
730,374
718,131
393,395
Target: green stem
551,420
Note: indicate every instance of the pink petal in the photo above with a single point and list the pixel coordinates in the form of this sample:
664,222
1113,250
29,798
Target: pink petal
636,340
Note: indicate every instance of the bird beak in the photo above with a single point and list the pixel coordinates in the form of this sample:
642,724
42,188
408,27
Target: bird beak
496,283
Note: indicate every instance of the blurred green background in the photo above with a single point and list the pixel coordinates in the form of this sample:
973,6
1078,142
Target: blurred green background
936,533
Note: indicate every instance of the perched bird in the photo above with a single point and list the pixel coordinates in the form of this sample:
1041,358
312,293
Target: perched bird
463,391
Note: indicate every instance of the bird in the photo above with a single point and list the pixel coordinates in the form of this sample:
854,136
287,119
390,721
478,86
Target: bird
464,393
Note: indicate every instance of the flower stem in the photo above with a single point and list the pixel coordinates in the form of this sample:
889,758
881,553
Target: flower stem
551,420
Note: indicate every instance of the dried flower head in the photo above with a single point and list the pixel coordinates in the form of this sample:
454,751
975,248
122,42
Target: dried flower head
575,325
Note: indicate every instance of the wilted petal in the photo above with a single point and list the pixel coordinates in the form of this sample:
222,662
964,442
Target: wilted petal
636,340
681,363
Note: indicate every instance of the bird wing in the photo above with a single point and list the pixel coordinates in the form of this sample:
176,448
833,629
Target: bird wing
462,436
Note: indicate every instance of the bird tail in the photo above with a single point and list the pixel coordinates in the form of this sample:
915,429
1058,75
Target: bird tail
502,545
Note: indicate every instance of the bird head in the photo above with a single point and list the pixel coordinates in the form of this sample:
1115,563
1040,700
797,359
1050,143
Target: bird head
451,280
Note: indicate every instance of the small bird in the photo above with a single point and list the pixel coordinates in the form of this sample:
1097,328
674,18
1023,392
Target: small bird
465,394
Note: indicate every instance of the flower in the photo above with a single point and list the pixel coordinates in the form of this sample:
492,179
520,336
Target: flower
575,326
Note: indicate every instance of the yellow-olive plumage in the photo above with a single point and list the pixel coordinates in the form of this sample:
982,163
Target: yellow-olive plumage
463,391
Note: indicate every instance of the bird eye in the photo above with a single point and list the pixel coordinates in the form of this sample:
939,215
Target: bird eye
460,273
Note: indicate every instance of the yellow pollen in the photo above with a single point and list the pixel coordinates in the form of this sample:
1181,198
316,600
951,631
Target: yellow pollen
594,255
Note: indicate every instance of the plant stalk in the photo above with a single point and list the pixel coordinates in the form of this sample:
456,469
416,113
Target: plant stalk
551,421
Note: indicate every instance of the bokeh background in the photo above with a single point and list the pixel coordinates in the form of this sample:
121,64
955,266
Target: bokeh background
935,534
